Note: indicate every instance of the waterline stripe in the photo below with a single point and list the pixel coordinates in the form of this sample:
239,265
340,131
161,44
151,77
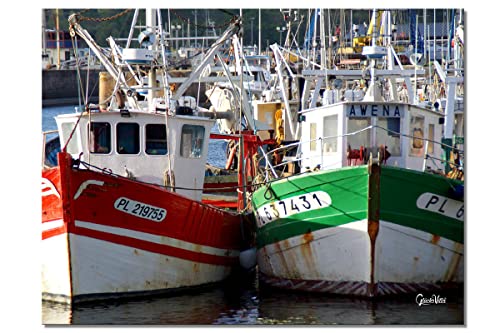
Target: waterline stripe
161,240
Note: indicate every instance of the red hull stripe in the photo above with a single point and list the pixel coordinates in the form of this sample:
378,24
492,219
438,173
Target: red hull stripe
53,228
155,247
220,203
53,232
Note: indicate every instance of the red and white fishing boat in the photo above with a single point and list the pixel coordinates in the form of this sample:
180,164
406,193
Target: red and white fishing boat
122,211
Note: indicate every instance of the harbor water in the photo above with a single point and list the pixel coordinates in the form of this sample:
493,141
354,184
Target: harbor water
243,301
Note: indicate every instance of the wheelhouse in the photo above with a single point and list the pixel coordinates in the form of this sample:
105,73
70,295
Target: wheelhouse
345,134
135,145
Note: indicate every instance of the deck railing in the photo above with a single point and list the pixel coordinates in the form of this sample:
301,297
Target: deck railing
271,170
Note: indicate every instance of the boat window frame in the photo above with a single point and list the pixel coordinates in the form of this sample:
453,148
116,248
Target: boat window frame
416,144
183,143
313,129
430,138
390,133
332,140
137,141
146,141
91,138
74,142
367,133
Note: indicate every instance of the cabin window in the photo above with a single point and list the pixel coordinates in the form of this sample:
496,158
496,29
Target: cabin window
100,138
362,138
312,136
390,138
72,146
330,132
430,148
192,141
156,139
417,136
127,138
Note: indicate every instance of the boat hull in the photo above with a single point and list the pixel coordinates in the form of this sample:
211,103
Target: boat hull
108,236
376,237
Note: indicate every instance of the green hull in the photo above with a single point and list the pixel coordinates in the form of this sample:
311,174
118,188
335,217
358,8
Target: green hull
441,210
413,199
361,232
347,189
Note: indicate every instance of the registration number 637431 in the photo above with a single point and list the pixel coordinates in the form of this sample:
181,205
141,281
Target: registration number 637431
290,206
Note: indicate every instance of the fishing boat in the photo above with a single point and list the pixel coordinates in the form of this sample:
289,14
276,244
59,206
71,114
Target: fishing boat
371,212
122,211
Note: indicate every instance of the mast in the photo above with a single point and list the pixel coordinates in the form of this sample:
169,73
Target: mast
150,27
313,42
425,33
330,46
260,32
58,41
44,24
322,37
352,44
434,35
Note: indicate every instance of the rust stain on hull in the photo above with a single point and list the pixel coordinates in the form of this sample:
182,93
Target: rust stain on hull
373,219
282,259
451,271
307,253
435,239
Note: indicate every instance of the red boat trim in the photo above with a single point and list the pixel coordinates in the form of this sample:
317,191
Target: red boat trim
53,228
220,203
156,244
53,232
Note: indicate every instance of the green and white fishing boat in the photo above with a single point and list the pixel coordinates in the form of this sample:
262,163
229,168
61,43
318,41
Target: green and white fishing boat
371,211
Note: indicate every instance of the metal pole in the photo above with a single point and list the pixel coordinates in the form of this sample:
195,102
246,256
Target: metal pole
169,23
330,46
44,42
434,35
426,149
442,23
251,30
429,57
132,26
351,30
58,41
448,37
196,23
188,34
415,100
425,30
322,37
259,33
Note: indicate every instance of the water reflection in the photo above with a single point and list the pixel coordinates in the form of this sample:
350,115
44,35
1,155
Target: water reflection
241,302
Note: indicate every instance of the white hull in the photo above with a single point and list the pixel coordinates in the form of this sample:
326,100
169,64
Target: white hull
335,254
406,255
338,260
102,269
55,268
